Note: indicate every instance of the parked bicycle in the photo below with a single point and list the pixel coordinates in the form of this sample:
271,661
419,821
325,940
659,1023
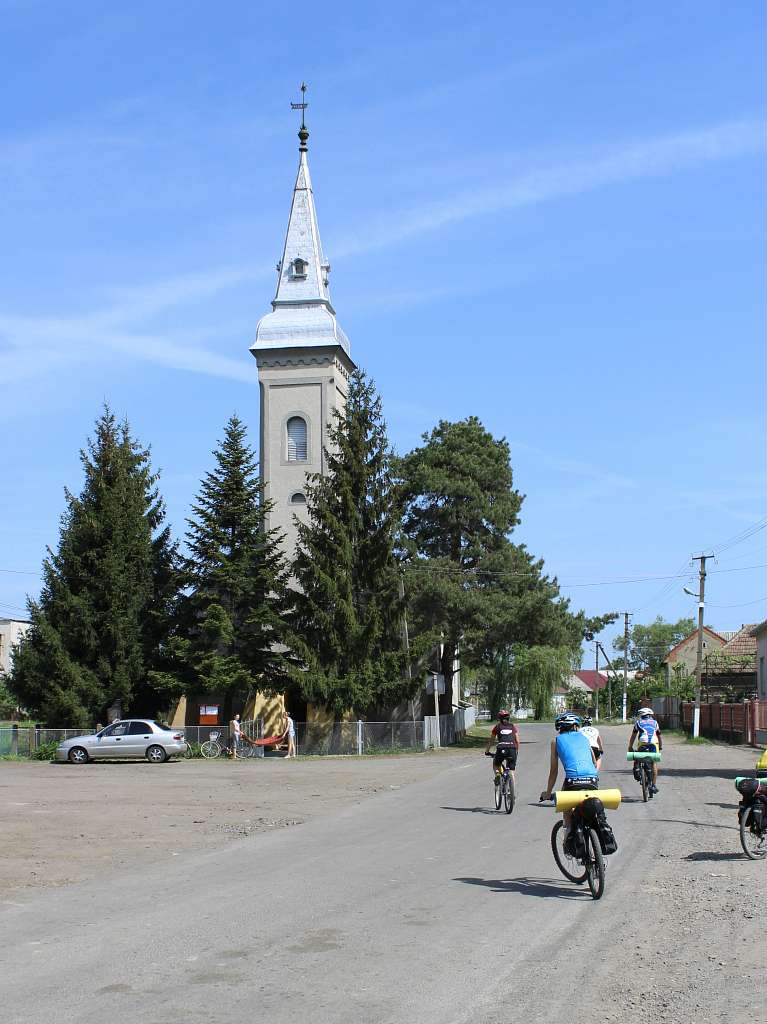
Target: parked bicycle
218,744
752,816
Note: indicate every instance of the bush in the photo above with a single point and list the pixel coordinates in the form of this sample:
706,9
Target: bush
46,751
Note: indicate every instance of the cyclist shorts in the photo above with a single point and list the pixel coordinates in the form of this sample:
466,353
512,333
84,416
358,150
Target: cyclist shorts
508,754
648,748
570,784
596,752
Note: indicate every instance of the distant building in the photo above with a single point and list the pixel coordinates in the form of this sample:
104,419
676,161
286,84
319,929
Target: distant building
759,634
683,657
730,671
11,631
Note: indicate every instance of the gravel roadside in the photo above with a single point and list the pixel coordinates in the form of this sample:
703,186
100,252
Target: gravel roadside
63,824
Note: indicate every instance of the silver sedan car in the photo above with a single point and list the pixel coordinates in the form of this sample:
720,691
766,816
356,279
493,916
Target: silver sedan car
133,737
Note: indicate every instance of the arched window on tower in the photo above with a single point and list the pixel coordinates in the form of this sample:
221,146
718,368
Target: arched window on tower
299,498
297,449
299,267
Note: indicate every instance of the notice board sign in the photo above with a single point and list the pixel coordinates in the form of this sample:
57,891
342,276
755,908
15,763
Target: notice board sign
209,714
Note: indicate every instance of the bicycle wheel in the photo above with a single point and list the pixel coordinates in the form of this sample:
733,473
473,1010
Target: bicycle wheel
643,780
595,865
210,749
508,793
567,864
754,844
497,795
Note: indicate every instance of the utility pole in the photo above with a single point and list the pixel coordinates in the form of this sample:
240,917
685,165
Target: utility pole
610,673
625,661
699,657
406,645
596,684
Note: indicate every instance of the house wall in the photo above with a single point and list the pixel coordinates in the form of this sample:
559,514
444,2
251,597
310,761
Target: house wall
687,654
761,663
11,631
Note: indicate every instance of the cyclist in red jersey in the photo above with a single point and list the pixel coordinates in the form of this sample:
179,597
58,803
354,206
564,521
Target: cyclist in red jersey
505,735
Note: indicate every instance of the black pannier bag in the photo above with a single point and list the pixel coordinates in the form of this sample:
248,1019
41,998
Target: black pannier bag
594,817
759,813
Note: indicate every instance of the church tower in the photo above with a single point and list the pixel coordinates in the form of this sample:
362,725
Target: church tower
303,361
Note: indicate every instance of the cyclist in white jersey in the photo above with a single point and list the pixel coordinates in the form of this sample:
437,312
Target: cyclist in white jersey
591,733
647,732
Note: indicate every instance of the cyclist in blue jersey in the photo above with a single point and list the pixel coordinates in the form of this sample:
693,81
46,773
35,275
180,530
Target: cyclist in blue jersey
646,734
573,749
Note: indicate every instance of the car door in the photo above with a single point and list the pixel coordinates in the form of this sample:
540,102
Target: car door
110,741
139,737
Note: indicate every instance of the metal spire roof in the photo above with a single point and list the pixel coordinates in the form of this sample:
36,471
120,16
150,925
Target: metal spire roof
302,314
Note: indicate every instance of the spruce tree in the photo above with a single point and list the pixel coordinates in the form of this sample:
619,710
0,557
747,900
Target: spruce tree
98,626
346,622
227,638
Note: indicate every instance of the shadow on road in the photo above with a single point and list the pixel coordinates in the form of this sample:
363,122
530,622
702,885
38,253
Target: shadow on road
530,887
705,855
727,807
704,773
700,824
472,810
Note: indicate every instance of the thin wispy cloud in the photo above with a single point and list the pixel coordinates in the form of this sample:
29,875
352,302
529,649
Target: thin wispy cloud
32,346
633,162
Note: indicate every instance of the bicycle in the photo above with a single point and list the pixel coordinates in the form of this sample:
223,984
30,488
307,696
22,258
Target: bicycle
504,789
643,775
213,748
577,849
752,826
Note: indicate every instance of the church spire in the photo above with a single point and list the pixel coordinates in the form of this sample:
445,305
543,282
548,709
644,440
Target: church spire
303,268
302,310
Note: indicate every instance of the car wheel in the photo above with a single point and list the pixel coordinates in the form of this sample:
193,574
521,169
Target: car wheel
156,755
78,755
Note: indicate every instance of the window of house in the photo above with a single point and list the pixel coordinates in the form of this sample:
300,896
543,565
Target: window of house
297,439
299,498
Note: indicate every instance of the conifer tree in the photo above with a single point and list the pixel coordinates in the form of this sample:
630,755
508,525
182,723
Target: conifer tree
98,626
468,585
347,615
229,619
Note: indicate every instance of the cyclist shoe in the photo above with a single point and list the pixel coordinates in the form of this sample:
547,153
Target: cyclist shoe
497,779
653,790
636,773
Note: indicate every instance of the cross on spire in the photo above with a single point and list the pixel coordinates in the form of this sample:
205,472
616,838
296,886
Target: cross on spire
303,134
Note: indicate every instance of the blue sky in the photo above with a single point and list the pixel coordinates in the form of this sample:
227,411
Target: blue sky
549,216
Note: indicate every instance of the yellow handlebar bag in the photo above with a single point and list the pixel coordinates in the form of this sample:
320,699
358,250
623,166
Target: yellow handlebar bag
566,800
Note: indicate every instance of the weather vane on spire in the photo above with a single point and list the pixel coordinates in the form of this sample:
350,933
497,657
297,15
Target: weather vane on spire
303,133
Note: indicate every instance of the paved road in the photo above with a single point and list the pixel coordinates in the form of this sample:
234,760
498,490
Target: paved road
421,905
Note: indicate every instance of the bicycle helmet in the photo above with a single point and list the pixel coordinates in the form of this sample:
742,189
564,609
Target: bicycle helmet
586,720
645,713
503,713
566,721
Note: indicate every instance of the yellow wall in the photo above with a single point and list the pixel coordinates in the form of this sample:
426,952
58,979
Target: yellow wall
177,717
271,709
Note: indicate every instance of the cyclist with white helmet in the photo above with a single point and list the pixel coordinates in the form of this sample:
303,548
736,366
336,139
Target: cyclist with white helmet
646,734
591,733
573,749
